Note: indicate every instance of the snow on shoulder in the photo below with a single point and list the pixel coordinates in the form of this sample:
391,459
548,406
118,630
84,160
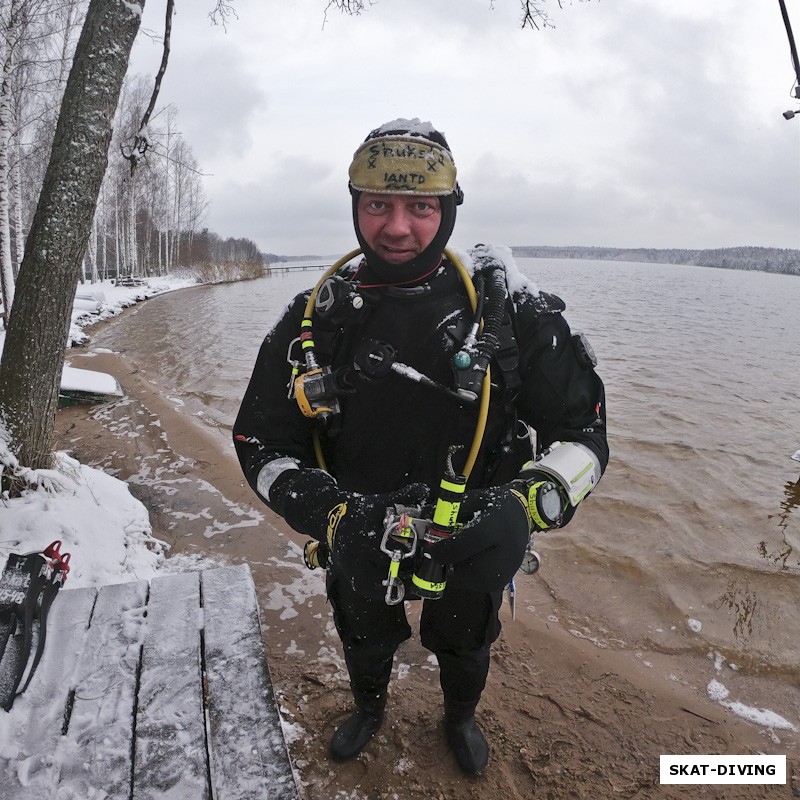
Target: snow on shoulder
518,284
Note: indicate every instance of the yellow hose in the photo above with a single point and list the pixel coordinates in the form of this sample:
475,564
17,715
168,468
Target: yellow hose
328,272
318,450
486,386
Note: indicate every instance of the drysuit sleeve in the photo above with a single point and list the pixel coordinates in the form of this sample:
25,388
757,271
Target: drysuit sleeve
270,429
561,397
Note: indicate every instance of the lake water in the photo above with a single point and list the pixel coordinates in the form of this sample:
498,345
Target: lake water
691,542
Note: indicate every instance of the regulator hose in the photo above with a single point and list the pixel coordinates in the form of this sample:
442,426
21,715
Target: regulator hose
483,411
494,307
328,272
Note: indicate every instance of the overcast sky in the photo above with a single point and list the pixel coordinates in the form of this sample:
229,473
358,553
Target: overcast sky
634,123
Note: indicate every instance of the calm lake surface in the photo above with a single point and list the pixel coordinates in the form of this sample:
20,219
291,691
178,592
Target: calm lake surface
691,542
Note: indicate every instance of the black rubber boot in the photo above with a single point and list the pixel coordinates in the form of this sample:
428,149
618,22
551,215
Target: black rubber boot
354,733
465,738
368,684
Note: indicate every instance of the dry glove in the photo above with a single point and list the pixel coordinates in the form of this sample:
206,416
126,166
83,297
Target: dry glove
487,551
350,525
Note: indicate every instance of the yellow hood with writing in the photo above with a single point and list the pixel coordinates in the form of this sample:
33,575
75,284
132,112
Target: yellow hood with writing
403,164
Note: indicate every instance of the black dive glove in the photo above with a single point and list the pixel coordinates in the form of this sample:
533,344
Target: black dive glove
348,524
488,550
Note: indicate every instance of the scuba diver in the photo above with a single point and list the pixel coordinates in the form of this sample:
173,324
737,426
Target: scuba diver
389,417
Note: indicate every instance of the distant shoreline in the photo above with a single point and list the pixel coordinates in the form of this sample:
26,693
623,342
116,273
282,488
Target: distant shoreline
760,259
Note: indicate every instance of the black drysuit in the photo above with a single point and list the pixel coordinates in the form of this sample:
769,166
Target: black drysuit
393,431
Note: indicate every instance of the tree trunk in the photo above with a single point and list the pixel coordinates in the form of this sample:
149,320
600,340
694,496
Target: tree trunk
105,245
117,234
131,242
6,122
33,358
92,251
19,228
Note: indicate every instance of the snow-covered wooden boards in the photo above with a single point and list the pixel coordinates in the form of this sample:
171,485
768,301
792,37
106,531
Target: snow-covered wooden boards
148,691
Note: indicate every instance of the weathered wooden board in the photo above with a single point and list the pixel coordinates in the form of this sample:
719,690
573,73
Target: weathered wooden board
170,757
247,749
37,717
95,754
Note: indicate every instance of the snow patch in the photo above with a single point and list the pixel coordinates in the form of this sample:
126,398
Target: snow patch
85,380
760,716
106,530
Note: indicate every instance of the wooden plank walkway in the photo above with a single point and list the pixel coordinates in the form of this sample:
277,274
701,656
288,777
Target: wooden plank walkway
150,690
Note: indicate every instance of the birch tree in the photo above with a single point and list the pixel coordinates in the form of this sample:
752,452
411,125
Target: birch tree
36,44
33,358
12,23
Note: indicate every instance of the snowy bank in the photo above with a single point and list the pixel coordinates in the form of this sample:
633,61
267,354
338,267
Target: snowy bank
106,530
95,302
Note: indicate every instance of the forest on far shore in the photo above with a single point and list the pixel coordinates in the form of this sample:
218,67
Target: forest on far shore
762,259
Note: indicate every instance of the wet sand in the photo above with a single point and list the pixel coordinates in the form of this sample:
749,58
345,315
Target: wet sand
566,716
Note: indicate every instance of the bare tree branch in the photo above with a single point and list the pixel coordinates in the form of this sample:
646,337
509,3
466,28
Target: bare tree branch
351,7
163,67
223,12
532,11
534,14
141,141
159,151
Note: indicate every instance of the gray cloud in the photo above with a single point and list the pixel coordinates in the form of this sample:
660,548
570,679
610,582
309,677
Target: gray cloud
632,124
217,101
298,206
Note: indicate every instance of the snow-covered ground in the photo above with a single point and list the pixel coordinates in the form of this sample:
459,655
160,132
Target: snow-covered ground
106,530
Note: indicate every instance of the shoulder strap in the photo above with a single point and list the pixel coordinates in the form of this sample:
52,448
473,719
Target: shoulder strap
507,356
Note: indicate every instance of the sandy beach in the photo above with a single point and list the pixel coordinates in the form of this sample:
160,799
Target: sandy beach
566,717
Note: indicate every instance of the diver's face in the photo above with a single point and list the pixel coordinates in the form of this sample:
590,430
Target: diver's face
398,227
